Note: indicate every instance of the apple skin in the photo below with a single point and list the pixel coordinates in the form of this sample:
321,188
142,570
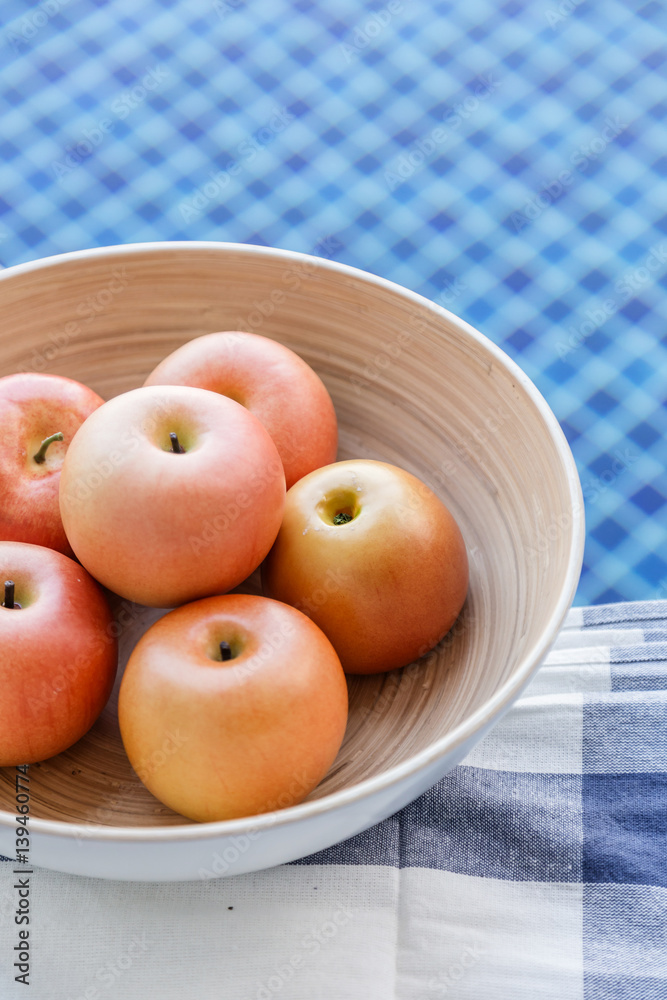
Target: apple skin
273,382
32,408
246,736
384,587
161,528
59,654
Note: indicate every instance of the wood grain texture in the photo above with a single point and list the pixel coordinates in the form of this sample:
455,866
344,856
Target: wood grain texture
409,388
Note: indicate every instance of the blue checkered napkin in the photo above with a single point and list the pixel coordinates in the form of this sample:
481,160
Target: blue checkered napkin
506,159
536,869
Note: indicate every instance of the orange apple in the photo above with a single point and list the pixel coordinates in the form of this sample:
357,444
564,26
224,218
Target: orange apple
232,706
39,415
170,493
273,382
372,555
59,654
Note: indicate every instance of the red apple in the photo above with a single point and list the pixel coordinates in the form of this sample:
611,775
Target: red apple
232,706
273,382
34,408
59,654
374,558
162,520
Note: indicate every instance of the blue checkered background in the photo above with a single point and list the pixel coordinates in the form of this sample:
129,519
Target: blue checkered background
506,161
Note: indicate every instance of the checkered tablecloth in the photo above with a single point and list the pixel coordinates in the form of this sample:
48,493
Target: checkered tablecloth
535,869
506,160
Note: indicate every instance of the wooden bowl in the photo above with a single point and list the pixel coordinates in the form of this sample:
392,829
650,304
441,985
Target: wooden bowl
412,385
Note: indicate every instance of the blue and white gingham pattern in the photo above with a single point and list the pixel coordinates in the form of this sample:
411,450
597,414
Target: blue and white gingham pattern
537,868
506,160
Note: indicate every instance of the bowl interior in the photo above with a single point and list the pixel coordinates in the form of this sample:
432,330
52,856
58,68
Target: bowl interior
411,385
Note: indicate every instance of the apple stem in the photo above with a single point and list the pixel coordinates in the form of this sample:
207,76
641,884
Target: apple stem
175,445
9,594
342,518
225,651
41,454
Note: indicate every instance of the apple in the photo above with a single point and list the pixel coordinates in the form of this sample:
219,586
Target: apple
273,382
254,700
39,415
59,654
372,555
170,493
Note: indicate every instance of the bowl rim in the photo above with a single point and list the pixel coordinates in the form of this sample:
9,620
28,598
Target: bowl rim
483,716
